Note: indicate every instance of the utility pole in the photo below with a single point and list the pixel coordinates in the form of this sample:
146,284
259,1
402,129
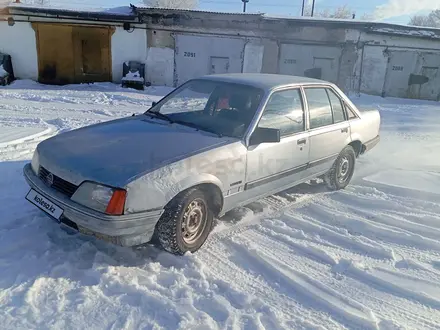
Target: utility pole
313,7
244,5
302,10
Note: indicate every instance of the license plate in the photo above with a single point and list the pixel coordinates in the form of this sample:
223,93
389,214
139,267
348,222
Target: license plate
44,204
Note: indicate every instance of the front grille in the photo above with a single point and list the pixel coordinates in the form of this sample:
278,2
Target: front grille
58,184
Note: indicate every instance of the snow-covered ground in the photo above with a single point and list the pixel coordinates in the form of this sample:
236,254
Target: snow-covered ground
366,257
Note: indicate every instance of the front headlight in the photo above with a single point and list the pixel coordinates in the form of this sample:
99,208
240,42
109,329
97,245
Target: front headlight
35,164
100,198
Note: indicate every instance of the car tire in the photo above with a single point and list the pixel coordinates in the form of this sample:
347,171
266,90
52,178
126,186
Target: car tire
341,172
186,223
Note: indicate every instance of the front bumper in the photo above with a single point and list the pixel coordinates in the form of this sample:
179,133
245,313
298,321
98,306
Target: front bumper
124,230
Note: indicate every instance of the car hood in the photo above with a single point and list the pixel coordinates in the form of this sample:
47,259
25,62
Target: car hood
116,152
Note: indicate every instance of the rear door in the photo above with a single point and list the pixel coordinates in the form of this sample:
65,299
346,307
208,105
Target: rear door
328,127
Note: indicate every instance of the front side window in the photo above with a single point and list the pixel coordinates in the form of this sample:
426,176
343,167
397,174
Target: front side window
320,111
284,111
221,107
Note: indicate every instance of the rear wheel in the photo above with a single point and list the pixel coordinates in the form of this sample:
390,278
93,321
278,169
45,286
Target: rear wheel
186,222
339,176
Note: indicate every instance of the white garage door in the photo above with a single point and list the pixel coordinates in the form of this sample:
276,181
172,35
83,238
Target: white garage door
307,60
400,65
428,65
197,56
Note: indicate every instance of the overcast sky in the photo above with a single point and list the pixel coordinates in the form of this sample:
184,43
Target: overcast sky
395,11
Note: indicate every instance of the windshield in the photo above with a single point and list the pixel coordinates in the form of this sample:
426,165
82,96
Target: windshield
219,107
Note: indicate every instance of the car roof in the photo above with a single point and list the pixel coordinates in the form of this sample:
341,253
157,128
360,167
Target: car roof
263,80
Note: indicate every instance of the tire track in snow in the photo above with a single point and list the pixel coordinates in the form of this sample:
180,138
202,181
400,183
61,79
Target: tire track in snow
347,267
308,291
393,221
325,212
349,242
389,195
305,249
417,214
393,310
231,277
272,206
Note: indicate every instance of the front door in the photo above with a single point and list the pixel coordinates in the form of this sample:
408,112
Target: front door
329,128
271,166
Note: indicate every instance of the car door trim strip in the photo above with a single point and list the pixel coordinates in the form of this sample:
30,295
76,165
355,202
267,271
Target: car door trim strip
291,171
274,177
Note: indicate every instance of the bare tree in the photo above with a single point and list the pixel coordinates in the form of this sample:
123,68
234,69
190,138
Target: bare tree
430,20
343,12
36,2
340,12
175,4
366,17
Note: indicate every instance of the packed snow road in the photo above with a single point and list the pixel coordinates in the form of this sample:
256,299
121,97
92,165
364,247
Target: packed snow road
367,257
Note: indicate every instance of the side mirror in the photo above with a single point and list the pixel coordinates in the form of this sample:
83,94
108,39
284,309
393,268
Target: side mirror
265,135
153,104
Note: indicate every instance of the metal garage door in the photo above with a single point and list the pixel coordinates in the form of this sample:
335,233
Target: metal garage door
310,60
196,56
428,66
400,65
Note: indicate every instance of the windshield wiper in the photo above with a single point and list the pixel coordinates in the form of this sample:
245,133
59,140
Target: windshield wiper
197,127
159,115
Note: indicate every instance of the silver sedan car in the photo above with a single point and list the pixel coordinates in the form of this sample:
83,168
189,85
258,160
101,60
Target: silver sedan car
213,144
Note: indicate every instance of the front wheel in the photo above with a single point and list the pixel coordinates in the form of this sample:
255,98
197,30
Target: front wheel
339,176
186,223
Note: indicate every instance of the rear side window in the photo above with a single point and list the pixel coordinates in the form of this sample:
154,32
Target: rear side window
350,113
320,110
338,110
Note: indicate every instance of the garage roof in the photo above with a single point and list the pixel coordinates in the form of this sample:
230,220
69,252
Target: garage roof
120,14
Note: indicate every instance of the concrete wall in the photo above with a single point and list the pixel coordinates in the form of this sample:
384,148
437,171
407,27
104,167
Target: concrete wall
160,58
19,41
373,70
270,56
127,46
180,46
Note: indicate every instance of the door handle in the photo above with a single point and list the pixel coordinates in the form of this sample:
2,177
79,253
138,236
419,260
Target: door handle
344,130
301,141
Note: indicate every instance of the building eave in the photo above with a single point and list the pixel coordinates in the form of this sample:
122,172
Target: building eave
57,13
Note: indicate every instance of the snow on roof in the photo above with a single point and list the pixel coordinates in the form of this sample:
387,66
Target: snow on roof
117,12
130,13
141,8
410,31
314,18
384,25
